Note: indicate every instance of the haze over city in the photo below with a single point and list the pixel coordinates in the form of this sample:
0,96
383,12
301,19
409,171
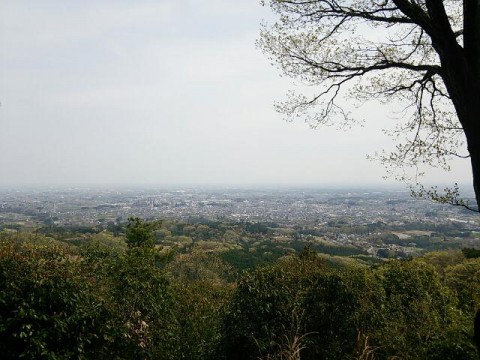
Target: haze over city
163,93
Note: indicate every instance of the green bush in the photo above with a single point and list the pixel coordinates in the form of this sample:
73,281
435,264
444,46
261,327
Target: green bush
399,309
114,300
47,308
60,304
419,315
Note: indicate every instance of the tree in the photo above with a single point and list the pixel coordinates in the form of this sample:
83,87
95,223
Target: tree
49,306
139,233
424,53
301,305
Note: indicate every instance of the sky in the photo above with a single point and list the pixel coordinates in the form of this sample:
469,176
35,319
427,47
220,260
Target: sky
163,92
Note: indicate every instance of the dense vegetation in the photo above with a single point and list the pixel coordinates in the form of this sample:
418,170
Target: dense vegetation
165,290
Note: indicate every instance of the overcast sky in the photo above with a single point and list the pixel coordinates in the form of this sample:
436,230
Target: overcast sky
138,92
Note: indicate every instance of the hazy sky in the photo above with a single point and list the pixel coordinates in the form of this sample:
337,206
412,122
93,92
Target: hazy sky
154,92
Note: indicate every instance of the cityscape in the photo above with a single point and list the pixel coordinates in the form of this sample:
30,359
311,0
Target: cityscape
289,206
378,223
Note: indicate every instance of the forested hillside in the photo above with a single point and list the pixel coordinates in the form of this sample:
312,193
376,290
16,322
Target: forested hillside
171,290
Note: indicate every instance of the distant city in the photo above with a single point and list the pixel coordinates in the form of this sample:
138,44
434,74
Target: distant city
380,223
288,207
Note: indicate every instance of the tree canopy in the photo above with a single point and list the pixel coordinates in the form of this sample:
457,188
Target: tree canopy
97,300
425,54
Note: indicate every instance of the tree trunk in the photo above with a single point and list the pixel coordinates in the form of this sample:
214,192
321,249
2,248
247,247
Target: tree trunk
474,150
461,76
471,45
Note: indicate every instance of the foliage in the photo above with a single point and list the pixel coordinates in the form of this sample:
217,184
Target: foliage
107,300
139,233
402,307
250,257
464,279
47,309
298,300
471,253
202,286
141,305
414,294
95,304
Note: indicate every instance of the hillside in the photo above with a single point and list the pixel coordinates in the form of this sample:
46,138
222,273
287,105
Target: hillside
172,290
